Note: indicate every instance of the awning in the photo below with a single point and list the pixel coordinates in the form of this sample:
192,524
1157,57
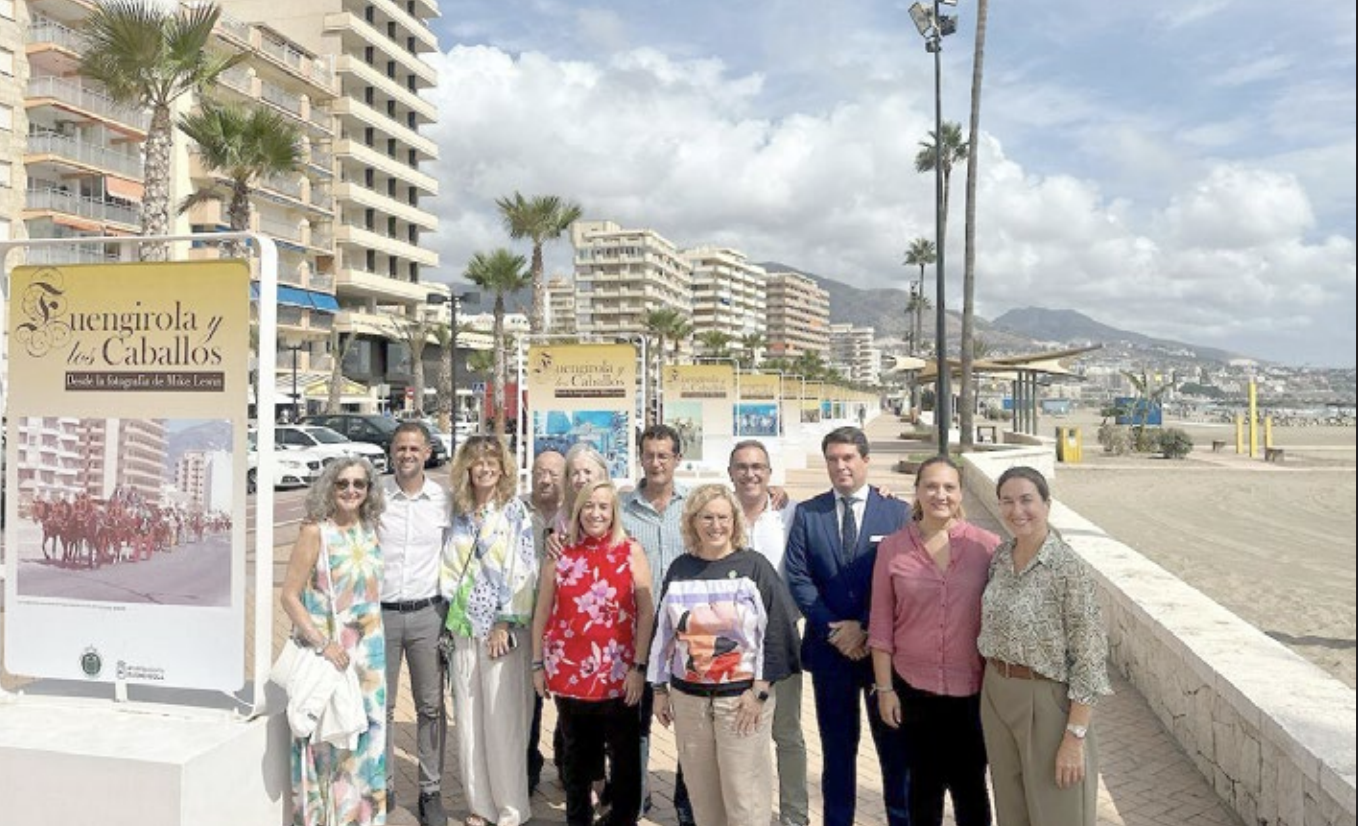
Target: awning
295,297
83,224
125,189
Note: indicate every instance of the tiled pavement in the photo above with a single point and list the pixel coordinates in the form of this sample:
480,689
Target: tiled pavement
1146,780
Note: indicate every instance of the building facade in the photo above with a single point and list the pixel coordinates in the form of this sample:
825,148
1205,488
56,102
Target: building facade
854,353
728,294
621,275
798,316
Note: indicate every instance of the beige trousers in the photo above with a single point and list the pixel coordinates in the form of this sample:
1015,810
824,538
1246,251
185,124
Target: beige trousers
729,776
492,707
1024,722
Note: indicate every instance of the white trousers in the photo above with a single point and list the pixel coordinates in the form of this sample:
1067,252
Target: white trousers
493,707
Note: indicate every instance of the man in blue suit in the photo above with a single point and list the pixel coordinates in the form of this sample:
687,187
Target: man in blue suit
830,555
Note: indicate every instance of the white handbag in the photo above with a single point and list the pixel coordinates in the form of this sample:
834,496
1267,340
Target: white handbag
304,673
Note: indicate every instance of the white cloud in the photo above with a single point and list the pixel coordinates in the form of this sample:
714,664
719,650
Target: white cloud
684,147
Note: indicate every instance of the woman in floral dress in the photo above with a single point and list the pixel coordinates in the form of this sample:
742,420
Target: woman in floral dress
337,559
591,631
489,576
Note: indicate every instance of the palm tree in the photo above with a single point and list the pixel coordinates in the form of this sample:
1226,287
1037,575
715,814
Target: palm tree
339,350
246,144
662,324
968,397
751,345
715,343
149,56
500,272
415,334
954,151
917,305
540,219
443,335
921,253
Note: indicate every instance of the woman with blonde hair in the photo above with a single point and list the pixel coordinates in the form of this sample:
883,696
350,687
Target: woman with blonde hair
585,467
725,632
488,575
591,632
332,594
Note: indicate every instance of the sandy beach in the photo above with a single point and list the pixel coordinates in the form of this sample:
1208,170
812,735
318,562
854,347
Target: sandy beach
1276,544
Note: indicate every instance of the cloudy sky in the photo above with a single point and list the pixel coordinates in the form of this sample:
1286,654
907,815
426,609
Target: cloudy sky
1184,170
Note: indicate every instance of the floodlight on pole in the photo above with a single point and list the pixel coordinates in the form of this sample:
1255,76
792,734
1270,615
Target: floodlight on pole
933,27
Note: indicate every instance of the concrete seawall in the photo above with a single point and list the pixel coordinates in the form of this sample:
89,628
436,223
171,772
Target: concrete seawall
1274,734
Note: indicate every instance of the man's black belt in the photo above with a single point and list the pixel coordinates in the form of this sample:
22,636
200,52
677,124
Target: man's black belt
411,604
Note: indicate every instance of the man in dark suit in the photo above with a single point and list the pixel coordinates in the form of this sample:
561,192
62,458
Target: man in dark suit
830,556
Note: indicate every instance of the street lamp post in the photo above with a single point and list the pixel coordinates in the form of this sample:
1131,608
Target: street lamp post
453,300
294,346
934,26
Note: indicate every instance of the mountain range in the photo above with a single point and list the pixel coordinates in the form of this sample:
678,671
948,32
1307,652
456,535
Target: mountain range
1023,329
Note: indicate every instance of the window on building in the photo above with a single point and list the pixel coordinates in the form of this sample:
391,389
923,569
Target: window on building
4,229
6,173
6,117
7,9
6,62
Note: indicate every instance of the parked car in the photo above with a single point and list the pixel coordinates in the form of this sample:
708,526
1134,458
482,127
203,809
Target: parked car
329,444
291,468
372,429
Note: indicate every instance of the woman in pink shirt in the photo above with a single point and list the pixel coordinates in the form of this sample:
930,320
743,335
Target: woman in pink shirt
925,618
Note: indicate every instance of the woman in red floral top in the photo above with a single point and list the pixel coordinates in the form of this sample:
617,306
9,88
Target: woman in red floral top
591,632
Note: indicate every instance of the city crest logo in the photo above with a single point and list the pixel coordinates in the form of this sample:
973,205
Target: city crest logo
91,663
45,305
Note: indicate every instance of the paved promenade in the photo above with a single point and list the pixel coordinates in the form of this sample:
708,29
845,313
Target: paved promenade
1145,781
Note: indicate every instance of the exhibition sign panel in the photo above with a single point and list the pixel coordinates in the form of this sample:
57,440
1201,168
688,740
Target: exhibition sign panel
584,393
758,410
698,405
126,466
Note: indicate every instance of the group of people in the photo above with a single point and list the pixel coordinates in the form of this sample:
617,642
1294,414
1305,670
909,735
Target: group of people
698,609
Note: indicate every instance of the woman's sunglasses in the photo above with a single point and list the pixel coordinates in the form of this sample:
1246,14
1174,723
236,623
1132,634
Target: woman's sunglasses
356,484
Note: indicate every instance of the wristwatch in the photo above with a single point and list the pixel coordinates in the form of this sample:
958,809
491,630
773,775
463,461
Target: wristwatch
762,696
639,667
1078,732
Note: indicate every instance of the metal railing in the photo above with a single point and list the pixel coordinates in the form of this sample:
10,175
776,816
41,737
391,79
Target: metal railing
287,230
291,316
46,30
78,254
321,119
83,97
285,53
238,78
321,282
90,153
291,188
321,159
321,320
85,207
280,97
236,28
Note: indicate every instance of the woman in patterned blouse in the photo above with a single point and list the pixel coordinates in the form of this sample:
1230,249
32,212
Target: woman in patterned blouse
489,576
1045,649
591,631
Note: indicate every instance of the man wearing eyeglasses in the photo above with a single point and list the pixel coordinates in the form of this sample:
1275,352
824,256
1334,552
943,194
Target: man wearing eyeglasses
410,534
768,526
652,514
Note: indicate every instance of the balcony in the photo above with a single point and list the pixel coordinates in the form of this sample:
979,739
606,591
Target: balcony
282,98
76,254
347,21
91,155
56,200
371,117
384,245
367,156
43,30
238,78
88,101
382,288
281,229
371,76
422,34
355,193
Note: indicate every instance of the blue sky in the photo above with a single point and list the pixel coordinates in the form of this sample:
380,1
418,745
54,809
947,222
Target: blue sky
1182,170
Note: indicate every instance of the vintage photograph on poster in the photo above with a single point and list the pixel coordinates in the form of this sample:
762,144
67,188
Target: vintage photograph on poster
609,431
133,511
687,420
756,419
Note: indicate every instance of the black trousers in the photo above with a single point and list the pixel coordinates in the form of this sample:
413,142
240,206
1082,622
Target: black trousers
946,753
587,727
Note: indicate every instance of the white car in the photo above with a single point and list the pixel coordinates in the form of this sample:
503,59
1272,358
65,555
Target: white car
326,443
291,468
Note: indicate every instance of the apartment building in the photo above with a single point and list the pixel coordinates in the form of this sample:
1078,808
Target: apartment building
204,480
560,306
728,293
296,210
50,463
623,274
798,313
73,165
123,455
378,151
854,353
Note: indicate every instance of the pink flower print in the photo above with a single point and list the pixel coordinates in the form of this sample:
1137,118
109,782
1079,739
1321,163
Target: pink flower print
598,603
590,665
619,658
569,569
552,656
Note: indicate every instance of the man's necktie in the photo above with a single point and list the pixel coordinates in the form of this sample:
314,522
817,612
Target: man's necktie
848,531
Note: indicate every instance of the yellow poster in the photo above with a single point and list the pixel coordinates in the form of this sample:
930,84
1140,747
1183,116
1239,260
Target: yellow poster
698,404
584,393
758,412
126,422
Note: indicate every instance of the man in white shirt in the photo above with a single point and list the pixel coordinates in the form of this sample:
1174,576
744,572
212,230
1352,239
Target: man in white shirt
768,528
413,612
544,503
